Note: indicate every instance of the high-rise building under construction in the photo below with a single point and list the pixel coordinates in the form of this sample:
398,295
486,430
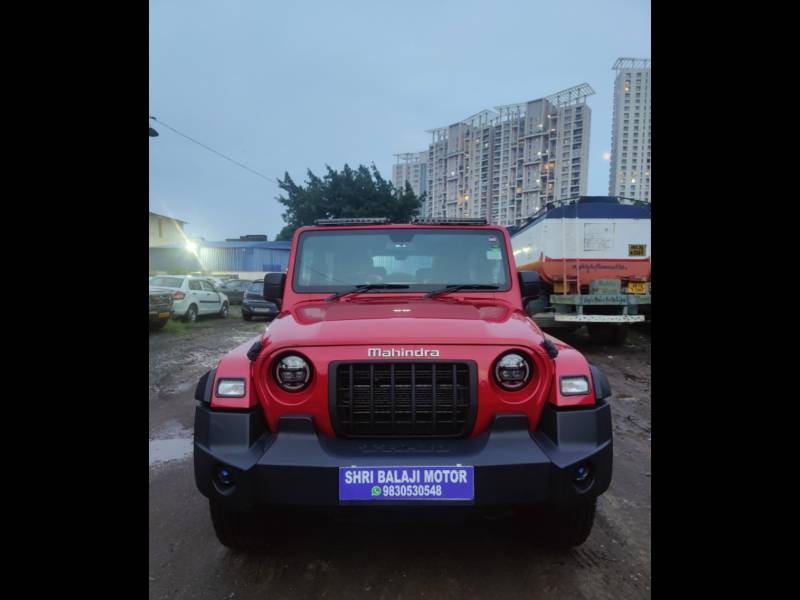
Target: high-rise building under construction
507,163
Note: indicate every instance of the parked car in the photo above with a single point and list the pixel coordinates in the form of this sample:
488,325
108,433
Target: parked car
234,289
217,281
254,305
160,307
193,296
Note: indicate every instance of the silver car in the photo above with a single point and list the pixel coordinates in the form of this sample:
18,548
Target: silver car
192,296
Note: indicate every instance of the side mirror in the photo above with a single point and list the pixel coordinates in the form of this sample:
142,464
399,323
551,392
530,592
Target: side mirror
529,285
273,287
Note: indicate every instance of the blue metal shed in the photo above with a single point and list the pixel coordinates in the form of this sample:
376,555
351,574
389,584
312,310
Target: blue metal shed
238,256
244,256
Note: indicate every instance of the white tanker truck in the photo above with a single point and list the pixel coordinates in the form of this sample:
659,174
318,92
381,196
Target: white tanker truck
593,259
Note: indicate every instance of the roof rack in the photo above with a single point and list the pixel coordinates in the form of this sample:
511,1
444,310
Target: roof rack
465,221
351,221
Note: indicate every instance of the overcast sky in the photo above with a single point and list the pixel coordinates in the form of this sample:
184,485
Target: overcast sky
290,85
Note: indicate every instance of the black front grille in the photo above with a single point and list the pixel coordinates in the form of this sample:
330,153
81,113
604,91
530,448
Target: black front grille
403,399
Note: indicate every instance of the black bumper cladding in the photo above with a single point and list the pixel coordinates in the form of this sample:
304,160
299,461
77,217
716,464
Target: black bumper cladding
295,466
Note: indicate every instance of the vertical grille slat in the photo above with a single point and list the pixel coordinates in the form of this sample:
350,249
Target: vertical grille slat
371,395
403,399
391,392
351,391
413,399
455,393
433,394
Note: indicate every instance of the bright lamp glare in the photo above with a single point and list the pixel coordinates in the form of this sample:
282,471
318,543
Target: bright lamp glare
191,247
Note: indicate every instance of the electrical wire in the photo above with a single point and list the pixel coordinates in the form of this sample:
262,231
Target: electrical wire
210,149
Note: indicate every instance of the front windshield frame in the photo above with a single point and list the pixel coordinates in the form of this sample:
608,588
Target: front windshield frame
332,287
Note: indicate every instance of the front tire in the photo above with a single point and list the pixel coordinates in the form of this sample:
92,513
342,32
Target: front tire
247,317
571,527
236,530
224,310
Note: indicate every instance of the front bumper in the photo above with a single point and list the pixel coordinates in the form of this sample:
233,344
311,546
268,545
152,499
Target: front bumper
158,313
575,318
296,466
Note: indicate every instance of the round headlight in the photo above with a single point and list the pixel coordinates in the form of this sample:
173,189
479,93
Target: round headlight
292,373
512,371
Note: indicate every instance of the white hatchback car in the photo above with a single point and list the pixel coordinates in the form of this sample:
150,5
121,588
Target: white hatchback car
192,296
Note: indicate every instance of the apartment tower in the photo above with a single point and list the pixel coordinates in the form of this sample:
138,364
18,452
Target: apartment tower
411,167
630,130
506,164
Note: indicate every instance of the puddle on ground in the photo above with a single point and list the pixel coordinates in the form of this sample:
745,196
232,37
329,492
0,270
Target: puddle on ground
173,442
162,451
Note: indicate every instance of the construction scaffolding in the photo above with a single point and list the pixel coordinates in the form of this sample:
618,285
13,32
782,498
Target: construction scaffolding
483,118
638,64
570,96
406,157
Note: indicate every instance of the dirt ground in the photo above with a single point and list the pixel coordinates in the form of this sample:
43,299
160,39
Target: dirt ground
383,559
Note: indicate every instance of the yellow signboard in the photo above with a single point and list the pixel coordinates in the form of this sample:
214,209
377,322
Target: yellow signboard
637,287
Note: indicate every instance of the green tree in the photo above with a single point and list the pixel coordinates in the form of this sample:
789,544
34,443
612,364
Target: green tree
360,192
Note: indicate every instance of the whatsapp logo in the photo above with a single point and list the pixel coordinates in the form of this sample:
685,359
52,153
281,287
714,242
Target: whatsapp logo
376,490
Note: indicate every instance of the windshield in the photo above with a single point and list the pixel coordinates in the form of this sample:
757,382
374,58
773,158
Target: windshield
423,259
257,287
170,282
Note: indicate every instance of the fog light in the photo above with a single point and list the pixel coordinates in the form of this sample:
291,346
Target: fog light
576,385
582,474
224,477
230,388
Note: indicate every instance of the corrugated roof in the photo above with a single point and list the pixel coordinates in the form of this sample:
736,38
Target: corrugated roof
170,218
282,245
278,245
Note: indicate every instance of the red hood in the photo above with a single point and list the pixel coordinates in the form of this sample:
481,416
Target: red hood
403,321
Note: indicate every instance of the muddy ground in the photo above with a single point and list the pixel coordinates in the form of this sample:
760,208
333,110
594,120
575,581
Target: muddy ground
372,558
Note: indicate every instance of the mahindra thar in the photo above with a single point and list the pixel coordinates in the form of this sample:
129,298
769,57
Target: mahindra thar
403,370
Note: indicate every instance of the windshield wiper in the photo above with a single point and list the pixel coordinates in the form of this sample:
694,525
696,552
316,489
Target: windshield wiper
366,287
463,286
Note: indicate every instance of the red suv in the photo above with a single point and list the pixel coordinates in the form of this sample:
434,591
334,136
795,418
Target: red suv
403,370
